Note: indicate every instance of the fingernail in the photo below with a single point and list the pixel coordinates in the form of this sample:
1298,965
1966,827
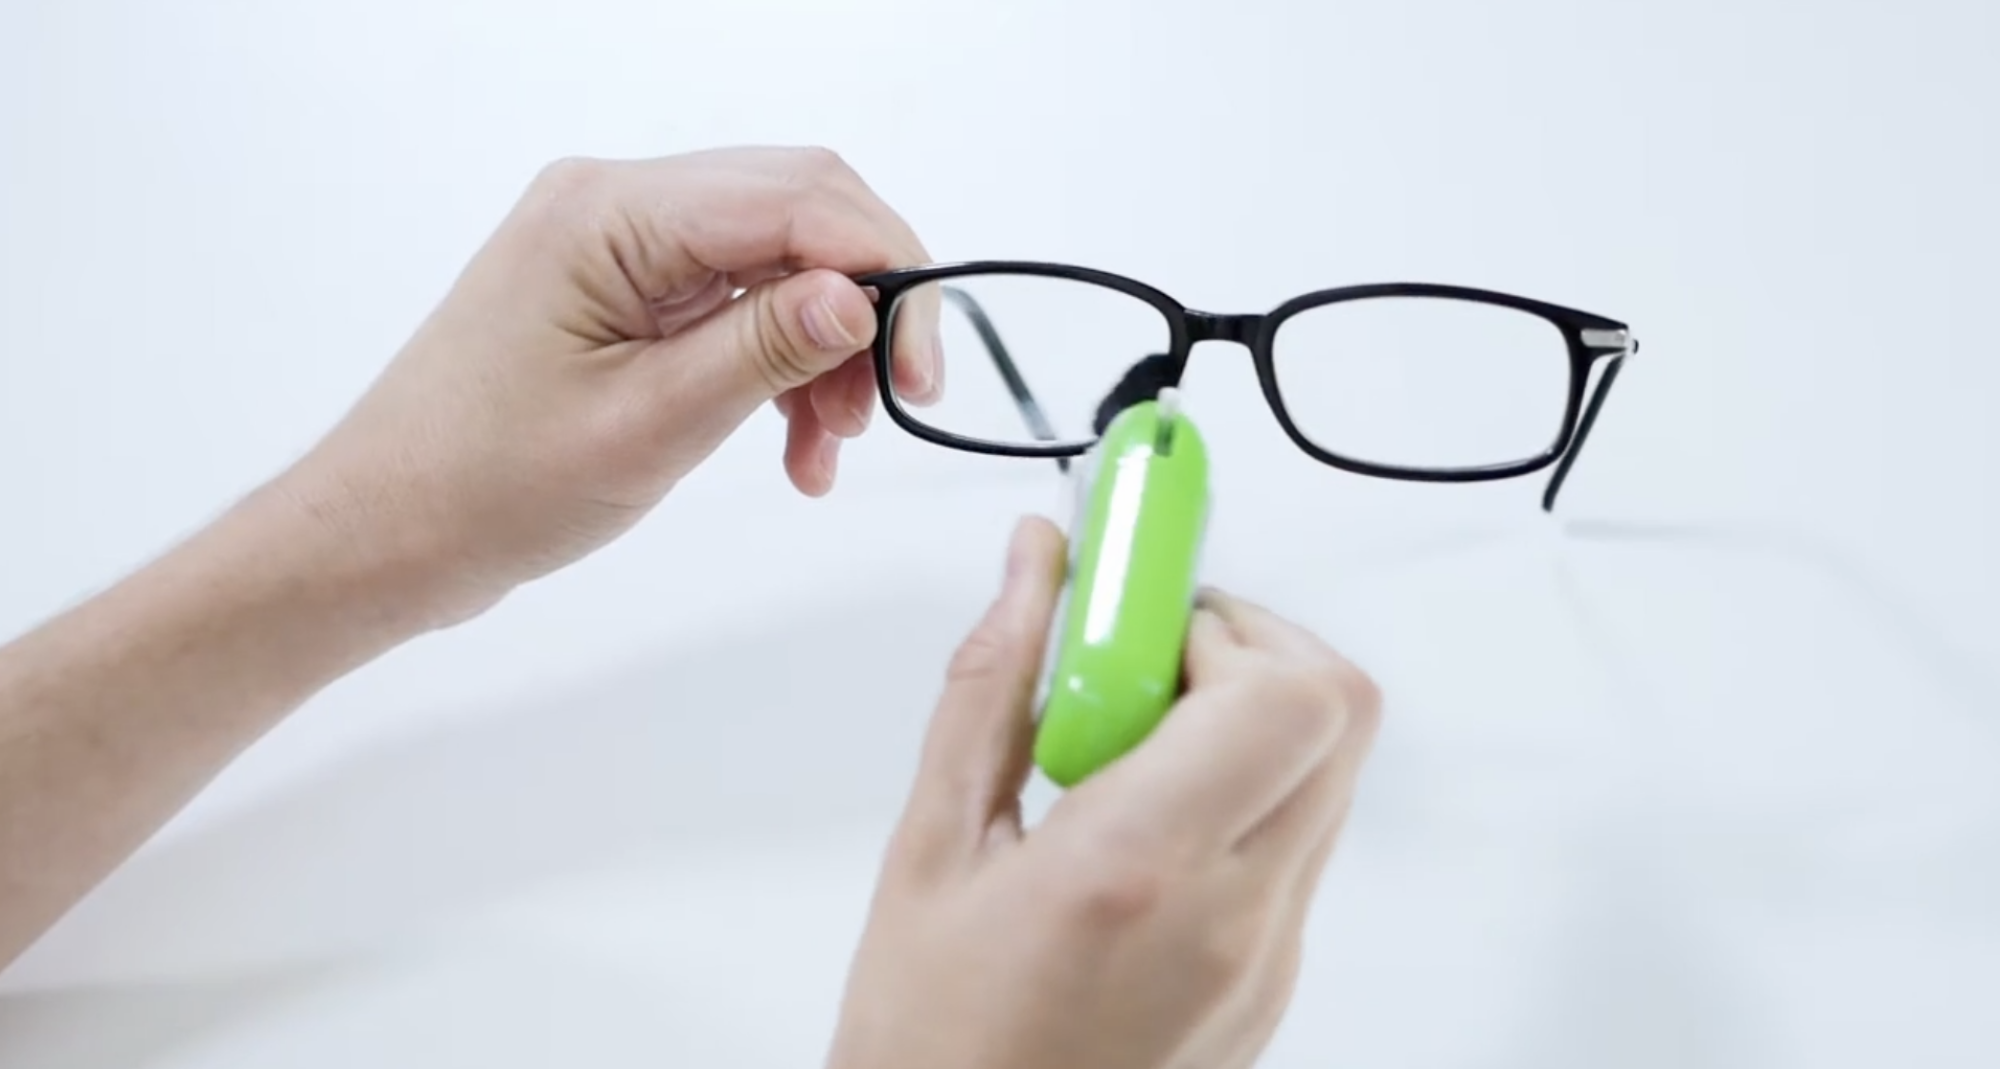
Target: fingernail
823,326
1017,551
930,363
862,405
829,458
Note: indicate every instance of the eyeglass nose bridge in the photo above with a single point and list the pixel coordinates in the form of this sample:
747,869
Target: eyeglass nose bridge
1212,326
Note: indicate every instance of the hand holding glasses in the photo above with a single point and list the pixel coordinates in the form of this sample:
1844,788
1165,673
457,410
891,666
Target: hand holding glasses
1412,381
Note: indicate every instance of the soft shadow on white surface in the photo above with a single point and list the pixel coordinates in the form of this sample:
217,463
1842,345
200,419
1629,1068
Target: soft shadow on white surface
1975,687
441,1004
718,859
278,923
650,760
1780,880
117,1026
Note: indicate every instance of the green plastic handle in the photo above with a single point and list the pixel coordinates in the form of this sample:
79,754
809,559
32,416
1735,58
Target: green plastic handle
1134,549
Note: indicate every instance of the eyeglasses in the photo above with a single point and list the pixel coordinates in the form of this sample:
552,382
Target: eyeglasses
1412,381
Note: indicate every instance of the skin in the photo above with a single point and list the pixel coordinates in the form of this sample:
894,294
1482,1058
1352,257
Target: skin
620,323
1153,919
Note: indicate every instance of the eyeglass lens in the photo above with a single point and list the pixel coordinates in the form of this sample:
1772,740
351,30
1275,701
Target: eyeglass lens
1423,383
1069,342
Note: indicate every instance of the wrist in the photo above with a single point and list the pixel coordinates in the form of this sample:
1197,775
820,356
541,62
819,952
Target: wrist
231,629
378,572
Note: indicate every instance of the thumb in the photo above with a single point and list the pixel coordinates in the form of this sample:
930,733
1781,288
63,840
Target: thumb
772,338
977,752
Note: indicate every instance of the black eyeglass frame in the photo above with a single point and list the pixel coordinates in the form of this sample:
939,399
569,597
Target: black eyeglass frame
1590,338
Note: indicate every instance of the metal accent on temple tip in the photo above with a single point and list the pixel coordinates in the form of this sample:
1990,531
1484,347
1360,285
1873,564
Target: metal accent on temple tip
1612,339
1168,407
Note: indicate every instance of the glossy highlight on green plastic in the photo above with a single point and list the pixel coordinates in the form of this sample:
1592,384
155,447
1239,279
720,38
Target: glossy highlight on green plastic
1135,544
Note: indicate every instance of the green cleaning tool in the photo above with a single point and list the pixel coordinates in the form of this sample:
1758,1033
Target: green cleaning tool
1134,542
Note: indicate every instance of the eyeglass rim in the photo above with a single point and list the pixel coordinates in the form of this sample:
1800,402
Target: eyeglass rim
1257,332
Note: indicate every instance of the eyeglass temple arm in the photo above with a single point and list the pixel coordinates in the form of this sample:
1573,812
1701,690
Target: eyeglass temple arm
996,350
1628,346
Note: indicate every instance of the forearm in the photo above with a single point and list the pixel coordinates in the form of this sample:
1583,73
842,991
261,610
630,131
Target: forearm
115,714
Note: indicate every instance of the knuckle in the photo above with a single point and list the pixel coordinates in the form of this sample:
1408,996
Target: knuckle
1312,698
1112,889
1119,872
982,656
568,184
912,858
1278,982
1347,693
1305,688
1363,694
820,162
1227,947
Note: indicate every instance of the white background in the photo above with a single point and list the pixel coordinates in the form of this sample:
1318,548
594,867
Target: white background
1704,778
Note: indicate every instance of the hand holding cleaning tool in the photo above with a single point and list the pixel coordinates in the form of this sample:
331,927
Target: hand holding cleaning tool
1135,541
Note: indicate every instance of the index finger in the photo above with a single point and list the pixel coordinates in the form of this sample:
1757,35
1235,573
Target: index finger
742,210
675,223
1244,626
1258,627
803,209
